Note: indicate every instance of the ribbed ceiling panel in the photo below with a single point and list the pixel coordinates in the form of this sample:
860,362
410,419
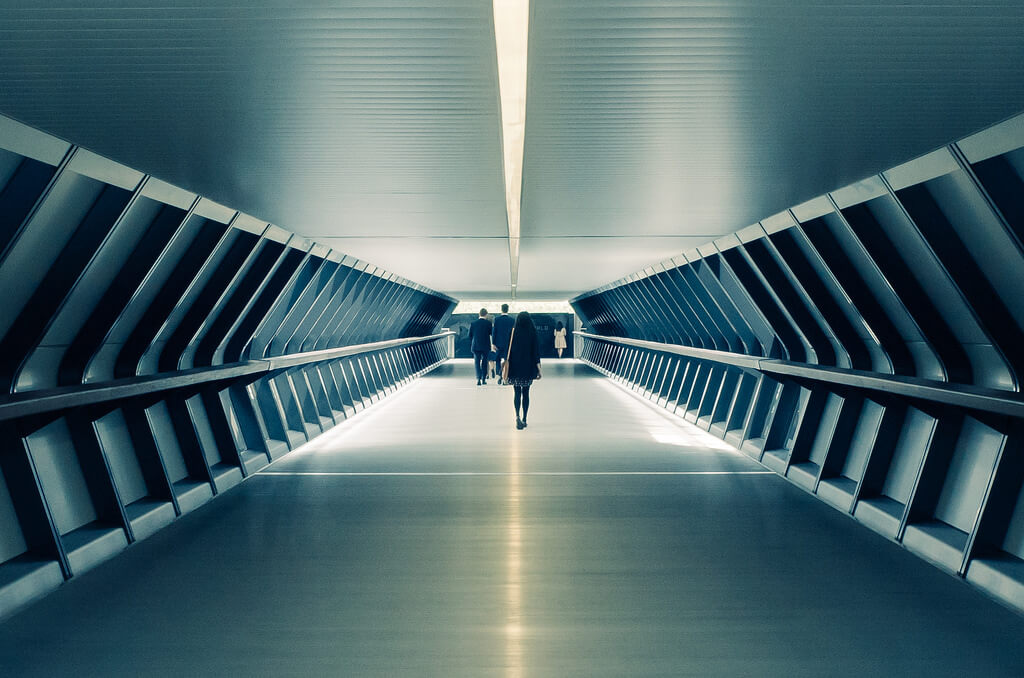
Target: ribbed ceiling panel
374,127
654,118
376,118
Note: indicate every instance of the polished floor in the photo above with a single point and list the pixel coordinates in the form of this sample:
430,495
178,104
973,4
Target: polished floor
428,537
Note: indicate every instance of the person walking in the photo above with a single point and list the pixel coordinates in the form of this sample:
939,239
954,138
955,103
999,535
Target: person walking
502,334
559,338
480,336
522,366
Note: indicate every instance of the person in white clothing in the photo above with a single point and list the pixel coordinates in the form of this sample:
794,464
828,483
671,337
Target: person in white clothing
560,338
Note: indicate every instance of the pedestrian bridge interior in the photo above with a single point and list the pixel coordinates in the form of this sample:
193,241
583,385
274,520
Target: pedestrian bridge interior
787,435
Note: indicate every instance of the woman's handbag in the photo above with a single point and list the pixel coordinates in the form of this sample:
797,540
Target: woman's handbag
504,363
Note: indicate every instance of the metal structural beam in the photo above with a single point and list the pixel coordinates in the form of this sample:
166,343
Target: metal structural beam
865,344
157,348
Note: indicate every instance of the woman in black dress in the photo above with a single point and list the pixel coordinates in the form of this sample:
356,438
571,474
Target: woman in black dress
523,363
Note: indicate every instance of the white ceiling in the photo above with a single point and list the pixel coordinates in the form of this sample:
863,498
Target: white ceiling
652,125
549,266
652,118
377,119
461,267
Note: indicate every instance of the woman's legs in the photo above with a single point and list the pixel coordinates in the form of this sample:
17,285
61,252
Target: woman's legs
560,352
521,399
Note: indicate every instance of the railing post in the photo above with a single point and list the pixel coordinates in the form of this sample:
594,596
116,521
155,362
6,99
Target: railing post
449,343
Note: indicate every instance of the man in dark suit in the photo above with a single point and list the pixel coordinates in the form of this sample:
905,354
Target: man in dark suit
480,336
503,325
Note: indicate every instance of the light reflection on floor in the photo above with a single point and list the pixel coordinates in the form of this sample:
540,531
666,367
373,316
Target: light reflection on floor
665,427
354,425
514,575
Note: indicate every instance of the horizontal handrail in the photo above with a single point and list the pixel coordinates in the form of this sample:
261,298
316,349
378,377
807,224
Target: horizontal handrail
309,357
735,359
41,401
960,395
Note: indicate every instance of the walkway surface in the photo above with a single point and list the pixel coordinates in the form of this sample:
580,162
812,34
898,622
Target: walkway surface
428,537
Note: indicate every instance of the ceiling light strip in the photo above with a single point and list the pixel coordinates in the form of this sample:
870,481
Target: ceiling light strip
511,25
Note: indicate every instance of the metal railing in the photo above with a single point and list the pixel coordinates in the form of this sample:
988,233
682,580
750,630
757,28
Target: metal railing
933,466
958,395
184,436
43,401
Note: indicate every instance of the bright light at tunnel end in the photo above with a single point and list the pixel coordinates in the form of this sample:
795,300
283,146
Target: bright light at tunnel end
511,26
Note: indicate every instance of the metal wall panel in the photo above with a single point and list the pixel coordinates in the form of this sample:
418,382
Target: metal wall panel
873,351
138,342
